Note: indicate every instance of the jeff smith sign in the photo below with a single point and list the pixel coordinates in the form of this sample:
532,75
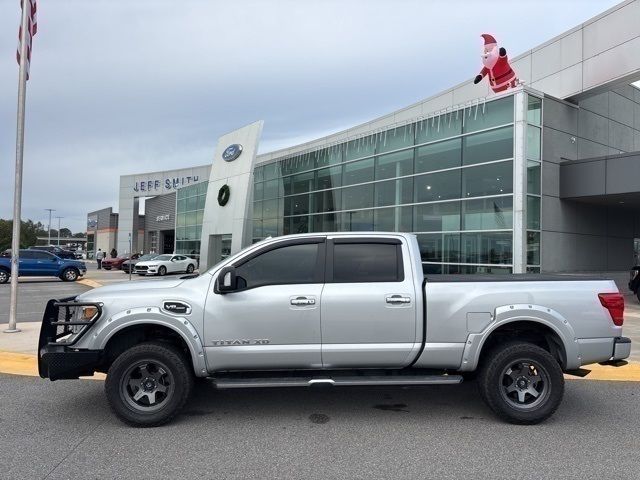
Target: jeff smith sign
156,185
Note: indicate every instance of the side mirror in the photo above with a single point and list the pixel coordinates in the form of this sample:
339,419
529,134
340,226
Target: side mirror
227,280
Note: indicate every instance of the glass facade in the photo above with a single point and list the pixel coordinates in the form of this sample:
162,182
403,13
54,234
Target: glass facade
448,179
189,213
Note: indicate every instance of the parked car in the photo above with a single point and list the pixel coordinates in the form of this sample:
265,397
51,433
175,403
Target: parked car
143,258
57,251
163,264
116,263
36,263
335,309
79,254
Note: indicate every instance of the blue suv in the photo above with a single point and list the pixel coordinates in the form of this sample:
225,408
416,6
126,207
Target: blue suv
36,263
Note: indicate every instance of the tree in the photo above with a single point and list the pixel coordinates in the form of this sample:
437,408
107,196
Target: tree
29,232
65,232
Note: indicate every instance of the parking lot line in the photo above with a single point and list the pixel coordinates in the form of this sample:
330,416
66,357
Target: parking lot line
90,283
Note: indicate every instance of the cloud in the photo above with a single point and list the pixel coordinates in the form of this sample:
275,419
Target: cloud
120,87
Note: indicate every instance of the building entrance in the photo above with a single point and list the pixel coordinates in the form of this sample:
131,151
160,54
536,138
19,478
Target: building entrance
168,241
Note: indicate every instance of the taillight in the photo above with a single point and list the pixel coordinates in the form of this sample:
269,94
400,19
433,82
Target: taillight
614,302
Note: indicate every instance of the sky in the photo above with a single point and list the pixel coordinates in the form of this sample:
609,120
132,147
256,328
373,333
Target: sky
120,87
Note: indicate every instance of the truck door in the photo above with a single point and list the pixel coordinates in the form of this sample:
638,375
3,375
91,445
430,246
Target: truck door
272,320
368,304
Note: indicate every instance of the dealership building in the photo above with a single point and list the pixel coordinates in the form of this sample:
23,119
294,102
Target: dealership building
542,177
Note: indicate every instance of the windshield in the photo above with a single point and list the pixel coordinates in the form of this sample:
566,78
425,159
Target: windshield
148,256
163,257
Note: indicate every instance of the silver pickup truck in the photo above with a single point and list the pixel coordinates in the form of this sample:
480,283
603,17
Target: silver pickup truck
334,309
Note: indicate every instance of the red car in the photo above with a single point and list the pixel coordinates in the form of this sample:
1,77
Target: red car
116,263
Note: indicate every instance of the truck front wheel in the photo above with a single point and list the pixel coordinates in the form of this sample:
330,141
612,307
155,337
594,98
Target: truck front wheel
149,384
521,382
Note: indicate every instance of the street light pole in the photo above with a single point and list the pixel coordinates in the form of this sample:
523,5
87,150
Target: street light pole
59,229
49,226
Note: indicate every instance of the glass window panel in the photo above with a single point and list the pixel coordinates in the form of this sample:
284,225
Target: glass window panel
272,189
181,219
393,165
437,186
199,217
299,224
357,197
361,220
488,214
394,192
270,209
437,156
488,146
202,200
326,201
258,174
181,205
492,179
303,182
395,219
533,177
202,188
362,147
180,233
190,233
439,247
328,178
287,265
491,114
487,247
325,223
533,248
182,193
298,205
270,227
366,262
329,156
192,204
257,210
534,110
533,212
533,269
198,232
271,171
395,138
533,142
437,217
358,172
437,128
191,218
287,186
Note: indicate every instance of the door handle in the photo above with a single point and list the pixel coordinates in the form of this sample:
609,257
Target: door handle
298,301
398,299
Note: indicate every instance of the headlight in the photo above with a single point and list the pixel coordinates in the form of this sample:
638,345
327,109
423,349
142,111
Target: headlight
88,313
152,266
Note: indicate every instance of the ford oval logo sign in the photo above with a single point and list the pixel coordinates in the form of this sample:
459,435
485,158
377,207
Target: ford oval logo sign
232,152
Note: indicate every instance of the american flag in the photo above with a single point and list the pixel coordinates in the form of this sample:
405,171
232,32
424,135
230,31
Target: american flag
32,28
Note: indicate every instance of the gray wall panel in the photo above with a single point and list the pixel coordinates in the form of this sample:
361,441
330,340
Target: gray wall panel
158,207
550,179
583,179
558,146
621,109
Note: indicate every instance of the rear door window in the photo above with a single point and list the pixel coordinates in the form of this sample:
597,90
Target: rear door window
367,262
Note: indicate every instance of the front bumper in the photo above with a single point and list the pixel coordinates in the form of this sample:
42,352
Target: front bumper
57,357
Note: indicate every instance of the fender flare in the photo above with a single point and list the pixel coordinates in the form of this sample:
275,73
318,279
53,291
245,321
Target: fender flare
99,336
506,314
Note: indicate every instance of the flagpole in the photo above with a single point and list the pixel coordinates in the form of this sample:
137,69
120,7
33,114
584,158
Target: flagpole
17,193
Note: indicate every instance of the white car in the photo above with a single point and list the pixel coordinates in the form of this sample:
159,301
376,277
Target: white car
163,264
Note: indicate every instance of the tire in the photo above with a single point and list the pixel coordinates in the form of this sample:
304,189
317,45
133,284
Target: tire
4,275
190,268
170,382
162,271
512,373
69,275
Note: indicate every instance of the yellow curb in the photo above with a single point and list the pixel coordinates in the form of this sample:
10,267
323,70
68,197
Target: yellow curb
90,283
26,365
628,373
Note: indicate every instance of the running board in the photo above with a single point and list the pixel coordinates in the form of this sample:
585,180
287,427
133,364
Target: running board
338,381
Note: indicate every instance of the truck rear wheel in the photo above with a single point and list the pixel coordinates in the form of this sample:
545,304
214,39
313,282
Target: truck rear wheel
149,384
521,382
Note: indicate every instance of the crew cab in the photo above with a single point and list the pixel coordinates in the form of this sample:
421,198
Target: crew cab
36,263
334,309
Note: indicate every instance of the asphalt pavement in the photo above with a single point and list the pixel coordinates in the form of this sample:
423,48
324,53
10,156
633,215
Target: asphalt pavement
64,429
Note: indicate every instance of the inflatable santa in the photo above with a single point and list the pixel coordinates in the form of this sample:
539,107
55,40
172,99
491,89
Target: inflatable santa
496,66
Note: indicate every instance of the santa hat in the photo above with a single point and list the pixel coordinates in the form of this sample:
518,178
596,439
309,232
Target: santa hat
488,39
